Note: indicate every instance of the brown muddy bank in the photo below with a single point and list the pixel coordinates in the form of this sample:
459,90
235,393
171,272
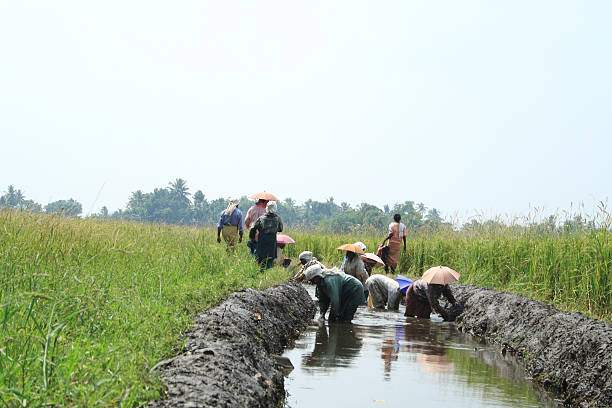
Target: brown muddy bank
228,358
566,353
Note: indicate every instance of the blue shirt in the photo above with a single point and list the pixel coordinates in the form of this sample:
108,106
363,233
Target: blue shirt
234,219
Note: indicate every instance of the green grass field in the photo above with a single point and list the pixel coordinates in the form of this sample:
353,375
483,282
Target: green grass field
89,307
571,270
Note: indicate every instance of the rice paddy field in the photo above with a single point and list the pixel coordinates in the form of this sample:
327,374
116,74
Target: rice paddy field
89,307
570,270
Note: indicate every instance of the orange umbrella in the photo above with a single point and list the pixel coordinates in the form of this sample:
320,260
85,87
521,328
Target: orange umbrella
351,248
441,275
264,196
372,257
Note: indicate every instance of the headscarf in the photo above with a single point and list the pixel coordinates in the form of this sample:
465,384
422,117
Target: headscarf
313,271
332,271
360,245
306,256
233,203
271,208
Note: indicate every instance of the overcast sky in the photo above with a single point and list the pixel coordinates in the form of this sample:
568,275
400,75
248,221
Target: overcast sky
467,106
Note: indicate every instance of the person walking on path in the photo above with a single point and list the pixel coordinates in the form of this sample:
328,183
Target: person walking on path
253,214
397,233
384,291
340,293
265,229
422,297
230,225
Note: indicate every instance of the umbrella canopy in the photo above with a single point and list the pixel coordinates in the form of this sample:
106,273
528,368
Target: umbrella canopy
284,239
372,257
404,283
351,248
264,196
441,275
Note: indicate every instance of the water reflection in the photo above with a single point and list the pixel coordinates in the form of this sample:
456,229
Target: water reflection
389,353
383,356
336,346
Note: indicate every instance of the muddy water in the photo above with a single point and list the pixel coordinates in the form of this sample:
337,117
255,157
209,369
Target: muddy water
383,359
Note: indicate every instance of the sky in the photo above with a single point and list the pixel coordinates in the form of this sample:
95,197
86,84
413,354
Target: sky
471,107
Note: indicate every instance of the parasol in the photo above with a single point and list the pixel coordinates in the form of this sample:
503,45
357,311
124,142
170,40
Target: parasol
264,196
284,239
372,257
404,283
351,248
440,275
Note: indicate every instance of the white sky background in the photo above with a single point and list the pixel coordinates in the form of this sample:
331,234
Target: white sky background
470,106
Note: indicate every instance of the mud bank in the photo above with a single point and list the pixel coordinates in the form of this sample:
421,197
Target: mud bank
228,358
566,353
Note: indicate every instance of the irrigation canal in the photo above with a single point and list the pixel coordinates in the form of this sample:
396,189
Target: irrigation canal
383,359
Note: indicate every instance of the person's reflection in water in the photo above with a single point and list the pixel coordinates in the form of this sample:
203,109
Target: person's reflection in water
389,353
428,342
335,346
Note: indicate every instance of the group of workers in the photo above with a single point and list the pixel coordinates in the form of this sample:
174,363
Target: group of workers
262,223
341,291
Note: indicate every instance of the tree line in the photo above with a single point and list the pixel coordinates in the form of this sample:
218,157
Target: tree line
174,204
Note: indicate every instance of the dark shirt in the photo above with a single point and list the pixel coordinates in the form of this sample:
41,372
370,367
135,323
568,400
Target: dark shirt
266,224
431,293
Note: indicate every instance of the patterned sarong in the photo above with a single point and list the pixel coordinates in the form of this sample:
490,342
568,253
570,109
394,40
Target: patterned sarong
230,235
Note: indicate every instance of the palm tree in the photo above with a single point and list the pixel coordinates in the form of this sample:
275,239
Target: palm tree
421,209
179,189
12,198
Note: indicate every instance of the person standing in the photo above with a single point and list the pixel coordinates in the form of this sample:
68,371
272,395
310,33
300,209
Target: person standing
265,229
253,214
230,224
397,233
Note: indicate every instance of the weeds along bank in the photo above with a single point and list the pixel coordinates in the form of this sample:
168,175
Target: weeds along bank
88,307
571,270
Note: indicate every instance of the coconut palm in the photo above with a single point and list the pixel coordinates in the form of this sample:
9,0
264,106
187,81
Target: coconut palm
179,189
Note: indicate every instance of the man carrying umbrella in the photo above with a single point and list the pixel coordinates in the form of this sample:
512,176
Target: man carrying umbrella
422,296
253,214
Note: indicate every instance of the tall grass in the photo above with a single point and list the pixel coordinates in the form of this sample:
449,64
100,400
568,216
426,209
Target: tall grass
87,308
571,270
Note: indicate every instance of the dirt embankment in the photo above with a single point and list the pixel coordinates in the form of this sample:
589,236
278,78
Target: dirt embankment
228,358
567,353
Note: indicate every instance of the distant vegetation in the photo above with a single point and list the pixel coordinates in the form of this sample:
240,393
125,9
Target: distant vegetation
174,204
